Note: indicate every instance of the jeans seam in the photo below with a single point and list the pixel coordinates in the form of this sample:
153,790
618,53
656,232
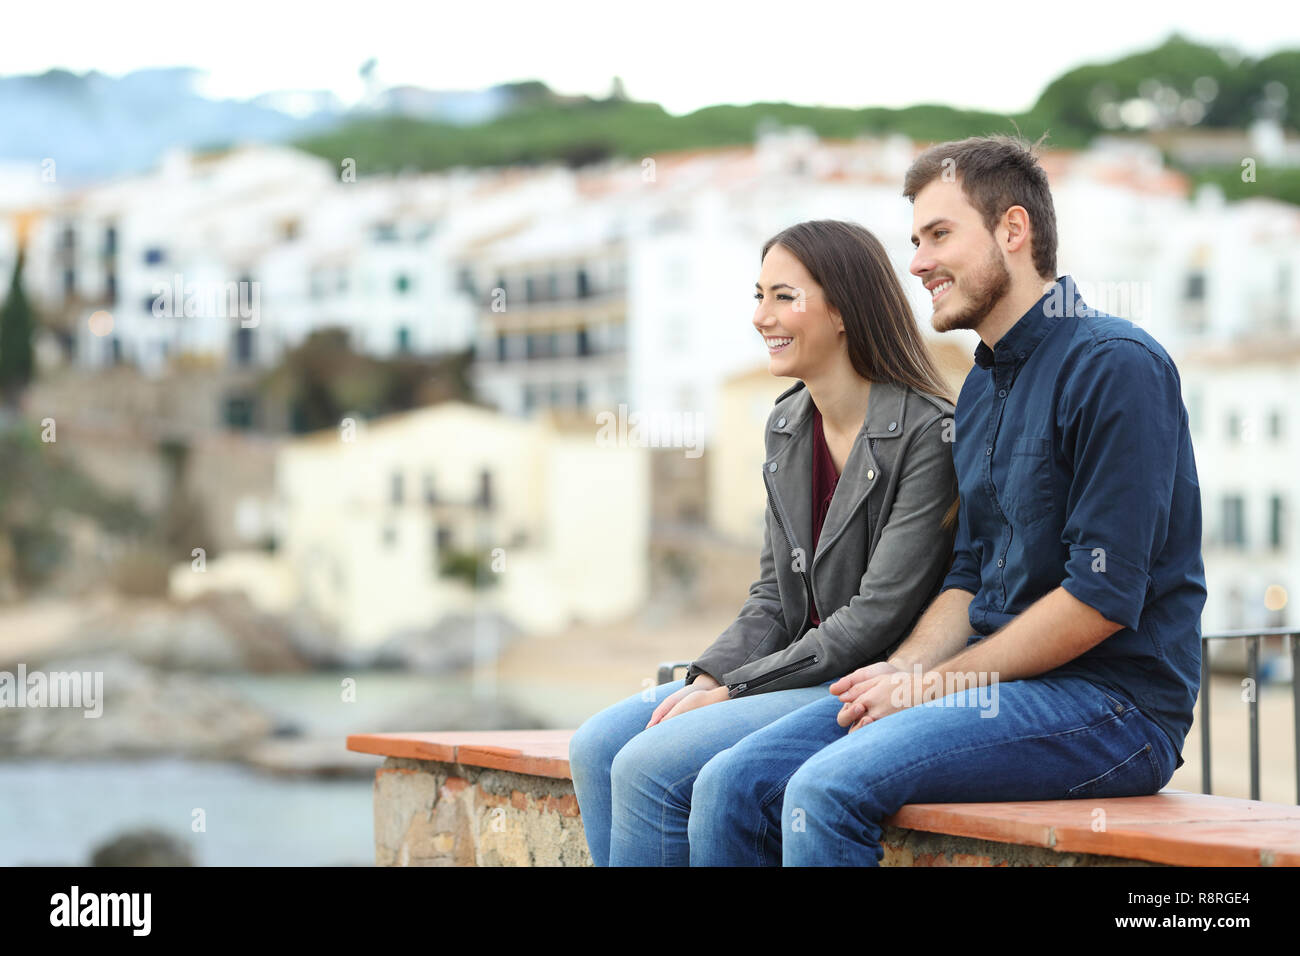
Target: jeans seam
663,818
762,821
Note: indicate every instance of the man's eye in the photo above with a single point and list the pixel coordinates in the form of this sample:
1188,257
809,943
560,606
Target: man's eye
940,232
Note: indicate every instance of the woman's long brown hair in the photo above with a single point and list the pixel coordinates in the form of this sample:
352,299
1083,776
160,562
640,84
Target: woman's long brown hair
858,280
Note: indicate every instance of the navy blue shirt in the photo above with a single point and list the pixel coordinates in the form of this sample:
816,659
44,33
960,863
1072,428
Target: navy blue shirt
1074,463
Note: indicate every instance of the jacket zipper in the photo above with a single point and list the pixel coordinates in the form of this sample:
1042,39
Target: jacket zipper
735,690
794,545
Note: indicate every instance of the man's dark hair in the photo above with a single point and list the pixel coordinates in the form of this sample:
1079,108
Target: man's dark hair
996,173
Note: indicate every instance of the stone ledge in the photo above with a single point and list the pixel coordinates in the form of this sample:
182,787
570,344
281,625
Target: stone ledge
464,798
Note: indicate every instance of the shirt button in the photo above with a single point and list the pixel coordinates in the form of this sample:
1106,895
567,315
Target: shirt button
893,425
771,466
988,451
1002,393
870,474
780,423
999,562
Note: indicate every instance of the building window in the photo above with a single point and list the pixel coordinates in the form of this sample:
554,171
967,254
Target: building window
583,284
502,350
110,241
530,289
1234,427
485,498
584,342
580,394
442,539
1195,289
243,346
1234,521
1275,424
1276,521
390,536
403,339
240,412
430,490
402,283
395,488
69,282
153,256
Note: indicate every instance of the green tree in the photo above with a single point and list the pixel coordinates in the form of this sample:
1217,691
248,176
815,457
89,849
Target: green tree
17,323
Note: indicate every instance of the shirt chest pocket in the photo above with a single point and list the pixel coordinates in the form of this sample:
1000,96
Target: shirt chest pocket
1028,494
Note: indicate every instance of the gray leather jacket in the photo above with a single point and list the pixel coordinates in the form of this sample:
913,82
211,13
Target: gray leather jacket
881,556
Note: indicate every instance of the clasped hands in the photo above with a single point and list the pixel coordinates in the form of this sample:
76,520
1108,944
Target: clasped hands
869,693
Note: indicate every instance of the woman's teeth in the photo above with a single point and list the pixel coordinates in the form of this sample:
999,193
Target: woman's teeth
777,344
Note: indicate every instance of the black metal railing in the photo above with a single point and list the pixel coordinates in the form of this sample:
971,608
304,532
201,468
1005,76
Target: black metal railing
1252,671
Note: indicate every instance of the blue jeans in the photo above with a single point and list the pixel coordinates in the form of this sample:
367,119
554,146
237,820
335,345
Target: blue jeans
634,784
802,791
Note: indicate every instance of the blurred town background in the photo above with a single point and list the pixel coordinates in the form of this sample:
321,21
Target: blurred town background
445,411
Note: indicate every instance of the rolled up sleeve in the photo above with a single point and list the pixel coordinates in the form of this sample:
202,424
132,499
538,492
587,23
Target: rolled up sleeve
965,570
1121,415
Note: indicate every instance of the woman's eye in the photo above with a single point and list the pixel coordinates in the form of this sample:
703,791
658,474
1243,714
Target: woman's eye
788,298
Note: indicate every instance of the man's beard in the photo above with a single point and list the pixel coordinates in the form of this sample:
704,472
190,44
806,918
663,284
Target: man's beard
985,289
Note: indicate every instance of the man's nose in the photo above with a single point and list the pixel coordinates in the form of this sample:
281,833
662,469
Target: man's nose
921,263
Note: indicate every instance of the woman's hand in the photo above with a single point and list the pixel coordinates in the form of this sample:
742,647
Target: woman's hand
668,707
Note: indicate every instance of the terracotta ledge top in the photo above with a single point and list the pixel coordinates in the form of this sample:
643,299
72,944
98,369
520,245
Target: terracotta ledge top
1173,826
539,753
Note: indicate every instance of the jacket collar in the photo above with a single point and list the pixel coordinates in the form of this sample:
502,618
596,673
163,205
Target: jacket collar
791,479
884,411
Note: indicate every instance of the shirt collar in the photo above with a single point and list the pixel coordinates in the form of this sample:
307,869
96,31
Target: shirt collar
1014,348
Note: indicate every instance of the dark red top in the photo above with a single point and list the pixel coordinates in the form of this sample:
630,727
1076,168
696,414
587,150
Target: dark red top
824,479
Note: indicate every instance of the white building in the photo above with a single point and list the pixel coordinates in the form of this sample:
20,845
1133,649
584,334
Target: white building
367,521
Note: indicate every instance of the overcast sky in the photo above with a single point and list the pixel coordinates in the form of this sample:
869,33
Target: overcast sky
680,53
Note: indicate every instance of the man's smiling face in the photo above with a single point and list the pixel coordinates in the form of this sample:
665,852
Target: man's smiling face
959,262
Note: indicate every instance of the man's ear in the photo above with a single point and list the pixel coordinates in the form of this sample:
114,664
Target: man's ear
1016,223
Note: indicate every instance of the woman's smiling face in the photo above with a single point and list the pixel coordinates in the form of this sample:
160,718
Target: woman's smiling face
801,331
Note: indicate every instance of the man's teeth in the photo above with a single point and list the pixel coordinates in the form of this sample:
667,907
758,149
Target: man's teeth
778,343
940,288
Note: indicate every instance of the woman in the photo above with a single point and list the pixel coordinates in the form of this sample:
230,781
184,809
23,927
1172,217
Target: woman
858,536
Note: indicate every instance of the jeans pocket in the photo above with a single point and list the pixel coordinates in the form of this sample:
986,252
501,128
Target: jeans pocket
1138,775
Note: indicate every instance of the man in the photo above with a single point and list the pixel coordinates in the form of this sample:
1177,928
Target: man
1077,563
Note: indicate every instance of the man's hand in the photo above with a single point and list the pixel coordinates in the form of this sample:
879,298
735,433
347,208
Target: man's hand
843,686
882,690
667,706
